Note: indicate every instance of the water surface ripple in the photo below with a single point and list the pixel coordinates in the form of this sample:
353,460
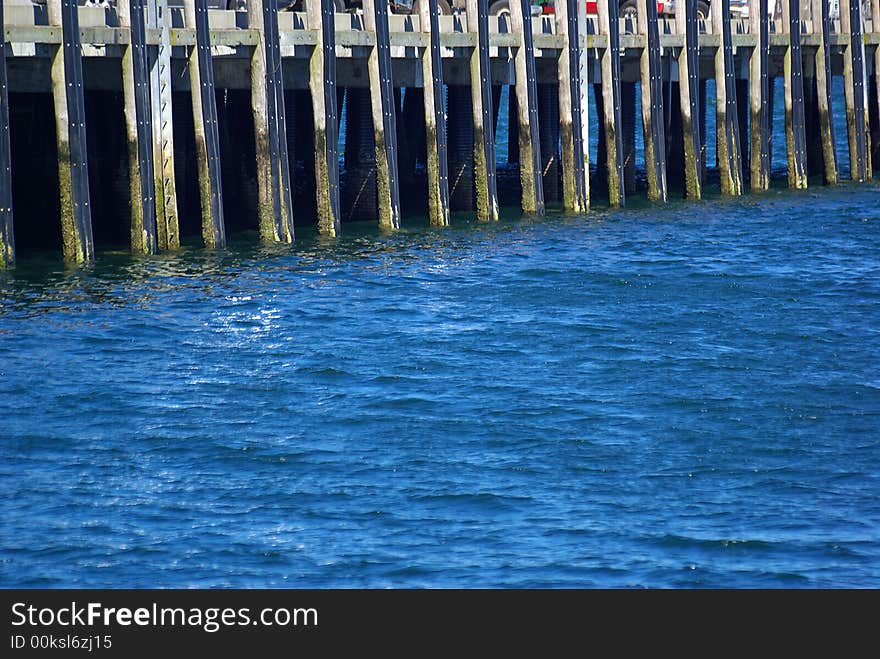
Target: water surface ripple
685,396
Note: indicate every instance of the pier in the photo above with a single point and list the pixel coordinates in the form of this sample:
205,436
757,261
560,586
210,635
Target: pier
141,122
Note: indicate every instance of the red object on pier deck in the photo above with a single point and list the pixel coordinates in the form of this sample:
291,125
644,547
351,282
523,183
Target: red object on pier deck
663,7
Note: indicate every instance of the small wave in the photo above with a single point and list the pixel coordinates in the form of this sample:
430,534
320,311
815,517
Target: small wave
672,540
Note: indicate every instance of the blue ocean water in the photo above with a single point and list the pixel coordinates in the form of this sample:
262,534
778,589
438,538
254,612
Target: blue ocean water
676,396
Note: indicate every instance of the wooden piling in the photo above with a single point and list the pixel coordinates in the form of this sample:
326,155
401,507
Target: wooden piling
528,140
139,128
858,130
583,88
760,91
70,134
822,26
204,105
609,25
808,111
875,26
165,195
435,117
795,130
7,237
384,114
574,187
652,101
485,187
322,85
282,185
265,209
726,121
274,201
689,94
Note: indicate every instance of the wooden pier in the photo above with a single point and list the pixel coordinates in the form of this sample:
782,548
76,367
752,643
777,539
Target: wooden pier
192,119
